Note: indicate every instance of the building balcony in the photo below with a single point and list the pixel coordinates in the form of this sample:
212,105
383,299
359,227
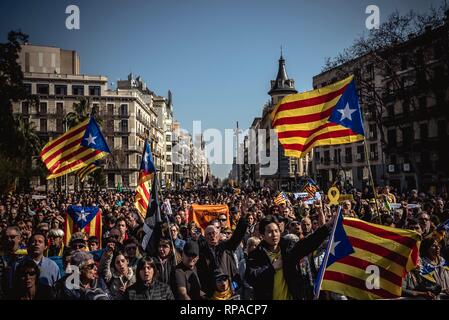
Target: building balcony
122,115
123,131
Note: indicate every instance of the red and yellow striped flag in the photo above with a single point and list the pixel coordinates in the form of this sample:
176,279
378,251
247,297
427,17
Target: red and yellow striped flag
391,251
78,147
146,173
85,219
326,116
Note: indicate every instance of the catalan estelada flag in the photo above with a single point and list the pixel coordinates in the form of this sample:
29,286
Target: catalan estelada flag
84,172
146,172
85,219
280,198
310,188
368,261
75,149
325,116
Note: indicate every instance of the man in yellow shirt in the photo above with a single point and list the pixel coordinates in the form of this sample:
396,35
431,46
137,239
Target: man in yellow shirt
271,267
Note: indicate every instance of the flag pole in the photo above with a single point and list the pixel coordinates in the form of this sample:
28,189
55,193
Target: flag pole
370,174
168,222
326,255
166,217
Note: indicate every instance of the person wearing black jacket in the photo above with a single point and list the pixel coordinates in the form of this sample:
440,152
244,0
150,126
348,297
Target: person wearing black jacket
219,255
271,267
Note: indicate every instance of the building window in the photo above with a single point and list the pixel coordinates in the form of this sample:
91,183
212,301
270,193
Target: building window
407,134
348,154
43,108
42,88
43,125
110,109
27,87
59,108
111,180
327,157
392,138
125,180
94,90
317,156
337,155
125,142
373,131
59,125
423,131
124,126
360,173
373,151
124,110
60,90
168,148
110,126
360,153
168,138
168,158
390,110
78,90
25,108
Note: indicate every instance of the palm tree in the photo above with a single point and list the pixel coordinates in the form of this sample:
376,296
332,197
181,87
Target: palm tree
82,111
29,146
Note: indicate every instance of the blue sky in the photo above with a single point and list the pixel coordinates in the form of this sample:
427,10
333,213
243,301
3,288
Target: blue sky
217,57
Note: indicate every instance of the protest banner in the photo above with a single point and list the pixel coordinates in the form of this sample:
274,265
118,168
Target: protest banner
202,215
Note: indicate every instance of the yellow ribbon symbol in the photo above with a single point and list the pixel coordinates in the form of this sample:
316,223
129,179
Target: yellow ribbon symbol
333,194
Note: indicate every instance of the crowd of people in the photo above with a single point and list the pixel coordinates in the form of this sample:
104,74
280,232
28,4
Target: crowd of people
262,250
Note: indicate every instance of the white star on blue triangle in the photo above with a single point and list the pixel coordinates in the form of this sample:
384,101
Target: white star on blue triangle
347,112
82,216
93,138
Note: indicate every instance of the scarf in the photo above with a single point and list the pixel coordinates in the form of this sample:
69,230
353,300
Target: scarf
225,295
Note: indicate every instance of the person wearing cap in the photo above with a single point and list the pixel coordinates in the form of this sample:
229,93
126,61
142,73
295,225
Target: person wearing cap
88,286
235,217
56,247
223,287
185,282
219,255
78,241
147,287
